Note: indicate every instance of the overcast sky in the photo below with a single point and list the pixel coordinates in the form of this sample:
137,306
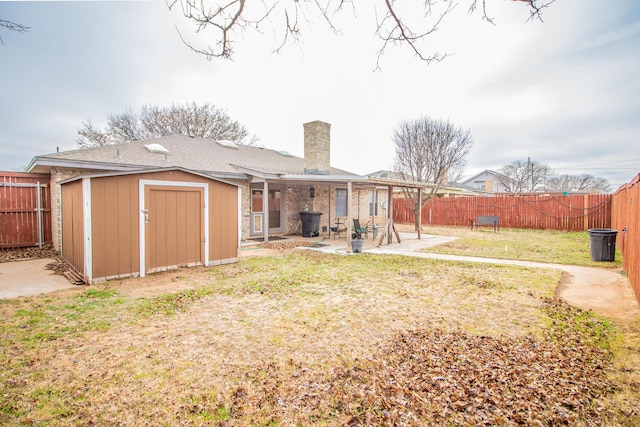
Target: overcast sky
565,92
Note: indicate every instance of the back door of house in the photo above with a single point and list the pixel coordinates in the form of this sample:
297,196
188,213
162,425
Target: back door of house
275,206
174,227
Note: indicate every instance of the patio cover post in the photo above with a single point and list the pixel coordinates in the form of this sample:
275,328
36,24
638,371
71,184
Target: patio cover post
265,211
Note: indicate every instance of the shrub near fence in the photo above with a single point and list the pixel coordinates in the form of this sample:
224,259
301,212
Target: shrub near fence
25,209
626,219
542,212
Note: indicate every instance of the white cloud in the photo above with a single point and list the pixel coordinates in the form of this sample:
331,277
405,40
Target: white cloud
560,91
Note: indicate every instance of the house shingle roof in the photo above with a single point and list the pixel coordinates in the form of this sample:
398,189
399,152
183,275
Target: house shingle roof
197,154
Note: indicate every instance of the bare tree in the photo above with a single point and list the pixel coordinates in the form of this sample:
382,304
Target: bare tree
525,176
205,121
396,22
431,151
582,182
13,26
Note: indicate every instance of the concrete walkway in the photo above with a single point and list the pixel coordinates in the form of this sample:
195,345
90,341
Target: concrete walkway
29,277
604,291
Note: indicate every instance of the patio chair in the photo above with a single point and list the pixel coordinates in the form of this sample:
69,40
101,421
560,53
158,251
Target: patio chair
337,232
359,230
341,227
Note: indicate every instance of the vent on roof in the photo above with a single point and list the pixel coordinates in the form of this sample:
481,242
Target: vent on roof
156,148
285,153
227,143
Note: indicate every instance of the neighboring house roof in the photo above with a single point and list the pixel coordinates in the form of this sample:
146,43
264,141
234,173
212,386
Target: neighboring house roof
385,174
467,190
498,176
195,154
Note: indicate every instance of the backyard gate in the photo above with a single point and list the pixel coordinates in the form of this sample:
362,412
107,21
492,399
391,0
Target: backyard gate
25,210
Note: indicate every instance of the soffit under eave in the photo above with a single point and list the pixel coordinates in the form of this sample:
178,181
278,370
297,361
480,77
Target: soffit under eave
357,182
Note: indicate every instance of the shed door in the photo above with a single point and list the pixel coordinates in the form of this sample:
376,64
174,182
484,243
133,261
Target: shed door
174,235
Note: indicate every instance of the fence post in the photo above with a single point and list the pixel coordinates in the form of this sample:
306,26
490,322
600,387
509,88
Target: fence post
585,209
39,209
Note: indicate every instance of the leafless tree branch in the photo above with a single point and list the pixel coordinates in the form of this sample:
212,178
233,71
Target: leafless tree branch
525,176
582,182
431,151
204,121
12,26
535,9
395,26
400,33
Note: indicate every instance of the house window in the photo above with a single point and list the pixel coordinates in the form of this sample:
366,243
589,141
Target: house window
373,205
341,202
479,185
256,200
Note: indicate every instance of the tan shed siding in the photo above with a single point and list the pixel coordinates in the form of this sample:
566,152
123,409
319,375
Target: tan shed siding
115,224
73,224
114,219
223,222
175,175
130,232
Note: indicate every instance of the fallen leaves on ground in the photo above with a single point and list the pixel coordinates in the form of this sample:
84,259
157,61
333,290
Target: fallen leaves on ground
7,255
283,245
440,377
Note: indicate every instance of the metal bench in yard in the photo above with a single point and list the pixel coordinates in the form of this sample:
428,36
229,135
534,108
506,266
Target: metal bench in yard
486,220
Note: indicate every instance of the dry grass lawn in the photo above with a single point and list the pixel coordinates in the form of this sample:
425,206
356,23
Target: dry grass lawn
558,247
304,338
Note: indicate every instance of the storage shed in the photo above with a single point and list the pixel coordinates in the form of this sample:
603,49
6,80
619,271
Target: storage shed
134,223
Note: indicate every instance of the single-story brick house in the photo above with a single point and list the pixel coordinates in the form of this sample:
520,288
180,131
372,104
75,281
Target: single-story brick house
291,184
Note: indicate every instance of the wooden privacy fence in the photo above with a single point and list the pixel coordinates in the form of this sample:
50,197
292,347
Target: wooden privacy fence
626,219
543,212
25,210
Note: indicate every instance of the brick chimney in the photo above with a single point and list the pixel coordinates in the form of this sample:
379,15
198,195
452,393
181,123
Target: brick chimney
317,150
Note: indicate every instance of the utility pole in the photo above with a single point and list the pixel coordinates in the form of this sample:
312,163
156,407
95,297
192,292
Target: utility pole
530,169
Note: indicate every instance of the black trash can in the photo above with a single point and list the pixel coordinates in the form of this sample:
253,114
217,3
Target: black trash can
603,244
310,223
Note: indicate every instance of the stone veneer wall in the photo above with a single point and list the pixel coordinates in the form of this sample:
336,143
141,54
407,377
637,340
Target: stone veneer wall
317,147
245,215
58,175
297,199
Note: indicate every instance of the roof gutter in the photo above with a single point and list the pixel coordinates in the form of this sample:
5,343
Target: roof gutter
117,167
78,164
325,178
